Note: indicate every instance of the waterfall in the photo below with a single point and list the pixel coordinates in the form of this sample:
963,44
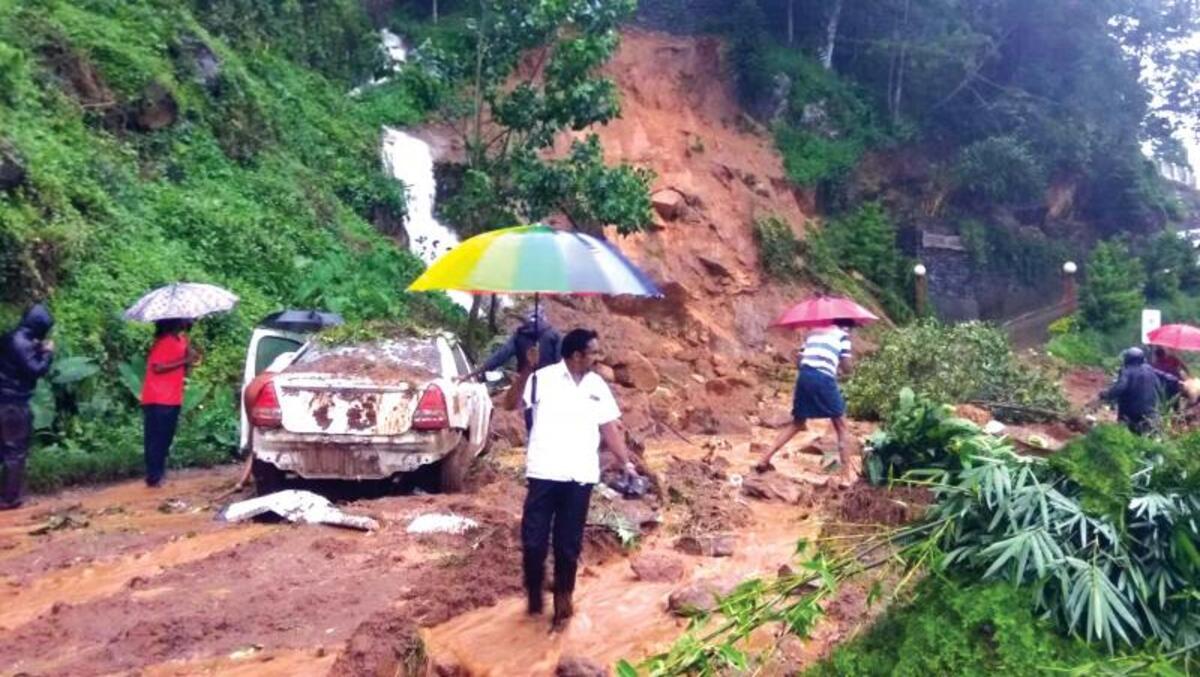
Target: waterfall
410,161
394,49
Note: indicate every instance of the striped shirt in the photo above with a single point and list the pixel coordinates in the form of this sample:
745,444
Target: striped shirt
824,348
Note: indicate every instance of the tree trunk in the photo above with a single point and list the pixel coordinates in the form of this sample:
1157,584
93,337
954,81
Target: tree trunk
472,339
791,21
895,96
831,30
492,314
477,142
435,11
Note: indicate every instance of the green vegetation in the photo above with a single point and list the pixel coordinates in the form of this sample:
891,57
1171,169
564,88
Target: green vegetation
1103,534
958,628
854,254
778,248
1031,259
950,363
474,75
1113,292
999,169
864,242
1120,280
254,171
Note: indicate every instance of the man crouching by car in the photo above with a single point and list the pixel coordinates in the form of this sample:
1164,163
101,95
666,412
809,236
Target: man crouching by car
573,409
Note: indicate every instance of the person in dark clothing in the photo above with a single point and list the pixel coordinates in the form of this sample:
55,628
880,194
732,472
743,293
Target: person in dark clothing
170,358
1136,393
25,357
574,411
534,332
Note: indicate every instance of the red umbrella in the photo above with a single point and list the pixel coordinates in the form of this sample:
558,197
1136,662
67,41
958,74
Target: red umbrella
1176,336
823,310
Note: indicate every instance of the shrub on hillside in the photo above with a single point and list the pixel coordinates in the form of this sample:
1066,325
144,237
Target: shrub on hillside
1000,169
957,628
949,363
777,248
1112,290
1170,265
864,241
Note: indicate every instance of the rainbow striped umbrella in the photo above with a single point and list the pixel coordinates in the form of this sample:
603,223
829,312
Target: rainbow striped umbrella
535,259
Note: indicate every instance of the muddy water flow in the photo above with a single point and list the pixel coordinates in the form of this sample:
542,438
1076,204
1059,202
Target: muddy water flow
618,616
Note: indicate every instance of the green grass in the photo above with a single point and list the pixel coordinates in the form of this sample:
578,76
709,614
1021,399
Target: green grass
263,183
951,628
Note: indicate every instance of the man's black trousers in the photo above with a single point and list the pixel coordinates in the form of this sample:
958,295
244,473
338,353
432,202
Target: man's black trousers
16,429
160,421
560,508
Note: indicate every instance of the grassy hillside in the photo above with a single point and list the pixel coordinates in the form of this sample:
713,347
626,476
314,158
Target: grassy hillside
156,150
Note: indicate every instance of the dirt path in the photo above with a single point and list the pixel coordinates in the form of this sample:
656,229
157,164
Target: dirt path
618,615
147,581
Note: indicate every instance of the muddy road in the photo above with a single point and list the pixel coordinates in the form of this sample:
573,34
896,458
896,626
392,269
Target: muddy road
130,580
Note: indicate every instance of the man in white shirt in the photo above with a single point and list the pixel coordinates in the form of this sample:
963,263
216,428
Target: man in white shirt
573,409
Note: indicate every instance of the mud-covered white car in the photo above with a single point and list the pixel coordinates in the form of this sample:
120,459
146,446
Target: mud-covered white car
365,411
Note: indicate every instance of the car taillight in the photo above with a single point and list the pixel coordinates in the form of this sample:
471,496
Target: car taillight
431,411
266,413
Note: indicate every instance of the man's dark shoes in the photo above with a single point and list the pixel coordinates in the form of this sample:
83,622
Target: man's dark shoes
563,610
536,602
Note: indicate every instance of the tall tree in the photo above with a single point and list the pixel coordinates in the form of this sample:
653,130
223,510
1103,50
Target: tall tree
528,74
831,32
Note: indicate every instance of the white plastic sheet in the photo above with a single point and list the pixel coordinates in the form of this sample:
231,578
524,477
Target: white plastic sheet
294,505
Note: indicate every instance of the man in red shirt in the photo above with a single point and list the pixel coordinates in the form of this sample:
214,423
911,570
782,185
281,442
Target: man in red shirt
171,357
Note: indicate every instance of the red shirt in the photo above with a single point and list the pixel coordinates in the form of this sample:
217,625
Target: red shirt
166,387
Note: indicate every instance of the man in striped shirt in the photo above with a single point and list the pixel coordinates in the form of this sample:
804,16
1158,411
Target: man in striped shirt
826,354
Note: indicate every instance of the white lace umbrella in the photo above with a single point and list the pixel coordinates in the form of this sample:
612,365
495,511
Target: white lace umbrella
181,301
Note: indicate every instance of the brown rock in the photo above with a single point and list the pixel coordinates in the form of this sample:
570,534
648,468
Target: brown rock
668,203
606,372
714,267
775,418
637,372
722,365
718,387
699,597
713,545
692,600
574,666
732,423
773,487
156,109
657,568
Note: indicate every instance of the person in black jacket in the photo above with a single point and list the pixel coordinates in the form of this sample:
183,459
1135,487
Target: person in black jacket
1136,392
25,357
534,337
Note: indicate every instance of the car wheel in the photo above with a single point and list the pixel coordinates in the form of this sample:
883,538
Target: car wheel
453,468
267,478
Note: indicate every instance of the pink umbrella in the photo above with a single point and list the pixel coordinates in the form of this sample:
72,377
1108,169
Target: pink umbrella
823,310
1176,336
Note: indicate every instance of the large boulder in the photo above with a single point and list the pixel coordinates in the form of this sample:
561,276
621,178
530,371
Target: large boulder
668,203
635,371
